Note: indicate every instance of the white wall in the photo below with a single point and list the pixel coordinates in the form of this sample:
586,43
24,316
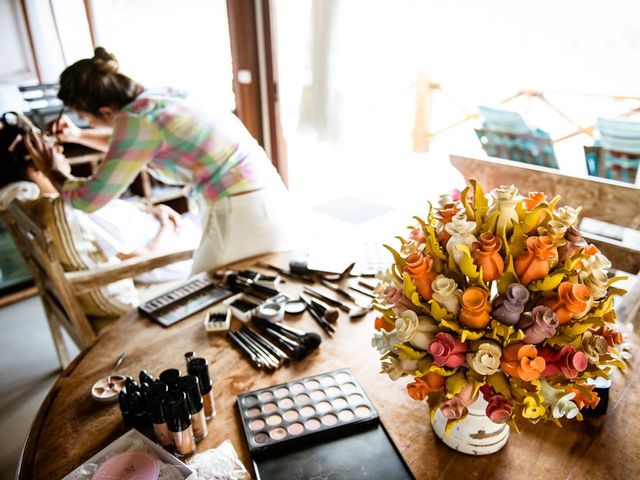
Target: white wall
15,62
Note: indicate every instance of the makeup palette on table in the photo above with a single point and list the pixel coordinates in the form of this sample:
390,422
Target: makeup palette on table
316,427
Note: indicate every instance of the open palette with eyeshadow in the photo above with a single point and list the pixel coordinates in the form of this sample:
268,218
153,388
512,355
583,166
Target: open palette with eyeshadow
320,426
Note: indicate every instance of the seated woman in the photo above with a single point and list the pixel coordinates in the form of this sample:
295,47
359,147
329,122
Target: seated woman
122,229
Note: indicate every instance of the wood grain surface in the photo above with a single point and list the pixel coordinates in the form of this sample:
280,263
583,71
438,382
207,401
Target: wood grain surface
71,427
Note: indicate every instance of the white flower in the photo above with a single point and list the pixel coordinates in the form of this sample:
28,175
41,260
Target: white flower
417,331
486,358
568,215
596,262
393,368
559,401
504,192
384,341
461,234
447,293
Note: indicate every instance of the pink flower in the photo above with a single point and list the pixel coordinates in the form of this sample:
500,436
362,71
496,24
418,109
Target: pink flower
447,350
541,325
397,299
566,361
498,409
456,406
417,235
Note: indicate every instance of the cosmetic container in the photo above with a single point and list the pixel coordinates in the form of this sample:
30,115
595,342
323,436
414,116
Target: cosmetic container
200,368
179,423
170,377
189,384
155,396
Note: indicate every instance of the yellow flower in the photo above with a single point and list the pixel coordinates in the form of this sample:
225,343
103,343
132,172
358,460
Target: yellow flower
531,407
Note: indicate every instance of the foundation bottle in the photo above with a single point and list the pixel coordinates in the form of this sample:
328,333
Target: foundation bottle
188,356
125,409
155,396
189,385
199,367
179,423
170,378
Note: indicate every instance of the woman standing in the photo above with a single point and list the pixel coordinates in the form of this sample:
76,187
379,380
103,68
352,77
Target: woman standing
245,202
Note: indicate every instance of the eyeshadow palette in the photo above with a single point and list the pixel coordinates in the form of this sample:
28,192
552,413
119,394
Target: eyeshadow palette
323,418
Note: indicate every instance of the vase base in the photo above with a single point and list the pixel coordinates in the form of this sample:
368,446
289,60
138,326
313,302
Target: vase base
474,435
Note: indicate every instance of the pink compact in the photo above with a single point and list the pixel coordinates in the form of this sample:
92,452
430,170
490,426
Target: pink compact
128,466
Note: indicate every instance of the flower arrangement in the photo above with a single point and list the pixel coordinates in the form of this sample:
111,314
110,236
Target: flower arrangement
499,296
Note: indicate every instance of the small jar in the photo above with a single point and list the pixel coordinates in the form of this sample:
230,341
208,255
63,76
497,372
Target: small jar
199,367
189,385
179,423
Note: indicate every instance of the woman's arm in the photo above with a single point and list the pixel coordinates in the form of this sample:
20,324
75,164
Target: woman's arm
169,223
66,131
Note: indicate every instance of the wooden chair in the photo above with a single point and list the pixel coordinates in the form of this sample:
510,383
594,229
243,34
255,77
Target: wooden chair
61,291
604,200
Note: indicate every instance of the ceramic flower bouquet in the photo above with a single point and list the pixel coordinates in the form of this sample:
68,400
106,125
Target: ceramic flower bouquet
499,296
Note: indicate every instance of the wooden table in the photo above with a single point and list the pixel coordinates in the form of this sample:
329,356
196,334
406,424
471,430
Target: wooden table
70,427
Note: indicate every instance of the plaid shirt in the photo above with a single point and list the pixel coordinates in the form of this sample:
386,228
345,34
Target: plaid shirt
215,155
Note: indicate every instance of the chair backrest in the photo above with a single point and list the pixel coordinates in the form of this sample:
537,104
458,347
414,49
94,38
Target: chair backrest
608,201
505,134
616,155
35,242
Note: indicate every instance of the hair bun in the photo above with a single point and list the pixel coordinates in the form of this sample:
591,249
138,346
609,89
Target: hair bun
105,62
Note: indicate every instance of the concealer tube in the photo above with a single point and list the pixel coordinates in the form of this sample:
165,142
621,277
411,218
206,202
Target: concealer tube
179,423
155,396
199,367
189,385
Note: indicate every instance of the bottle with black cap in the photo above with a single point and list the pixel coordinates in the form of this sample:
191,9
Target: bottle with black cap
145,377
138,409
200,368
189,384
170,377
156,392
125,409
179,423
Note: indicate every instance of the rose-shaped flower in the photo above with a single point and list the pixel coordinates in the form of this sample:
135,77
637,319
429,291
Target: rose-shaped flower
584,399
534,263
508,307
574,243
485,359
555,231
505,205
559,401
444,215
475,308
447,350
542,325
568,215
571,300
532,407
596,282
486,255
423,386
522,361
419,267
593,346
613,337
394,297
417,331
384,341
456,406
381,323
498,407
533,199
447,294
595,261
397,368
461,232
566,361
417,235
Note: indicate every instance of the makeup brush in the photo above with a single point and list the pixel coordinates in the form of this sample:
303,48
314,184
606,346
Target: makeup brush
254,359
326,326
353,312
273,349
327,312
310,340
269,359
298,350
343,293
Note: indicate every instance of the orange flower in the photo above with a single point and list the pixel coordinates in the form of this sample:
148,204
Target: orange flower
382,324
419,268
522,361
533,199
613,337
423,386
583,399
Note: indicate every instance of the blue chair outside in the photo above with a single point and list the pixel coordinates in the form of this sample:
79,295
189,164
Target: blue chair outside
505,134
616,154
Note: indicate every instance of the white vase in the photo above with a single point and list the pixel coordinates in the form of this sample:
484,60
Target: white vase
476,434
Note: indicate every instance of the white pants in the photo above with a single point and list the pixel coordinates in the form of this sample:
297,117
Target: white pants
242,226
